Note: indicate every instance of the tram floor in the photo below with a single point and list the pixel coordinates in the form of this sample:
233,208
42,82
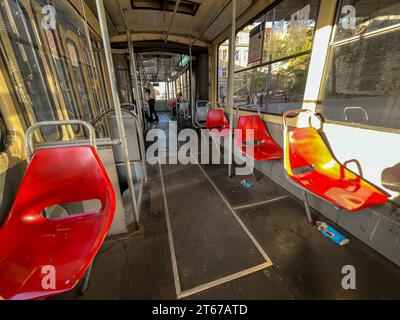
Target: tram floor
204,236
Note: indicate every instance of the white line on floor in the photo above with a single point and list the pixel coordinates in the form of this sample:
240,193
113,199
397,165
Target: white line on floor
260,249
170,238
259,203
223,280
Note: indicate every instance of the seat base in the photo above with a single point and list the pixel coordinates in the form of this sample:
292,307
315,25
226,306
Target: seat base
263,151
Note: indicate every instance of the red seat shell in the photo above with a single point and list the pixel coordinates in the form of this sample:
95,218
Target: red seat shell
324,175
266,149
29,241
216,123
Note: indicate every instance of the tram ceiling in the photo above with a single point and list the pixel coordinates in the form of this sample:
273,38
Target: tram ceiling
173,17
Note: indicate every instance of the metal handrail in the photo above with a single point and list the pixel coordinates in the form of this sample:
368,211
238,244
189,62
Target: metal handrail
129,104
214,103
355,108
100,142
295,113
139,130
31,129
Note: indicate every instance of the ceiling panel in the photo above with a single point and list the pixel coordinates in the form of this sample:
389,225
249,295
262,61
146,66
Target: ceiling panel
204,19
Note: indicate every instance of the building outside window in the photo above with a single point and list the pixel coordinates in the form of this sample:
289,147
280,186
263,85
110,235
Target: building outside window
272,58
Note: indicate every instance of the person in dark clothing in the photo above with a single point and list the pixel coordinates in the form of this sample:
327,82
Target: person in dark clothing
151,100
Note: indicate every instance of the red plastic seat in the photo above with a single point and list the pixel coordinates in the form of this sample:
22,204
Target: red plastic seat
262,146
29,241
310,164
216,123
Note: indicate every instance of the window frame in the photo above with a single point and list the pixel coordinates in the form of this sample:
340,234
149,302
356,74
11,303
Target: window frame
217,64
3,134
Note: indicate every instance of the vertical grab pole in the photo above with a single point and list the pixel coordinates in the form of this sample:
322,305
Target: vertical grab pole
117,105
192,109
138,101
134,78
231,83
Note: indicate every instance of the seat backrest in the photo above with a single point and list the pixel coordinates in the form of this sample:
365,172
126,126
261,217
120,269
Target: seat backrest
183,107
216,119
253,122
307,148
29,241
201,114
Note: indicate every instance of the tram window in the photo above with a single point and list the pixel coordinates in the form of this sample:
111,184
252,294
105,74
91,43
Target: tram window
62,76
361,83
254,31
358,17
223,60
178,85
290,28
185,77
278,45
123,77
78,77
27,70
93,82
103,90
285,80
74,44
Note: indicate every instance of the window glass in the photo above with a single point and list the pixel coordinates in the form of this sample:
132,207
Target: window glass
21,53
362,82
93,81
72,39
223,58
358,17
62,75
123,77
278,84
103,89
43,53
290,28
273,88
79,80
249,39
187,89
177,86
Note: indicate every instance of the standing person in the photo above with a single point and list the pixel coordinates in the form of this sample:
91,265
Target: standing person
150,95
179,99
222,95
261,101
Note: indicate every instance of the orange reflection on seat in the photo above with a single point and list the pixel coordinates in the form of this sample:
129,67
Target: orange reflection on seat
310,163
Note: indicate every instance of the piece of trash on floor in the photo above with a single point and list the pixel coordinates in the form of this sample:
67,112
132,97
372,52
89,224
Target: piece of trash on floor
247,184
332,233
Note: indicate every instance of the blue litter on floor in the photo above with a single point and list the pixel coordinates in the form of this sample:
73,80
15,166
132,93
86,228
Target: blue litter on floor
247,184
331,233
